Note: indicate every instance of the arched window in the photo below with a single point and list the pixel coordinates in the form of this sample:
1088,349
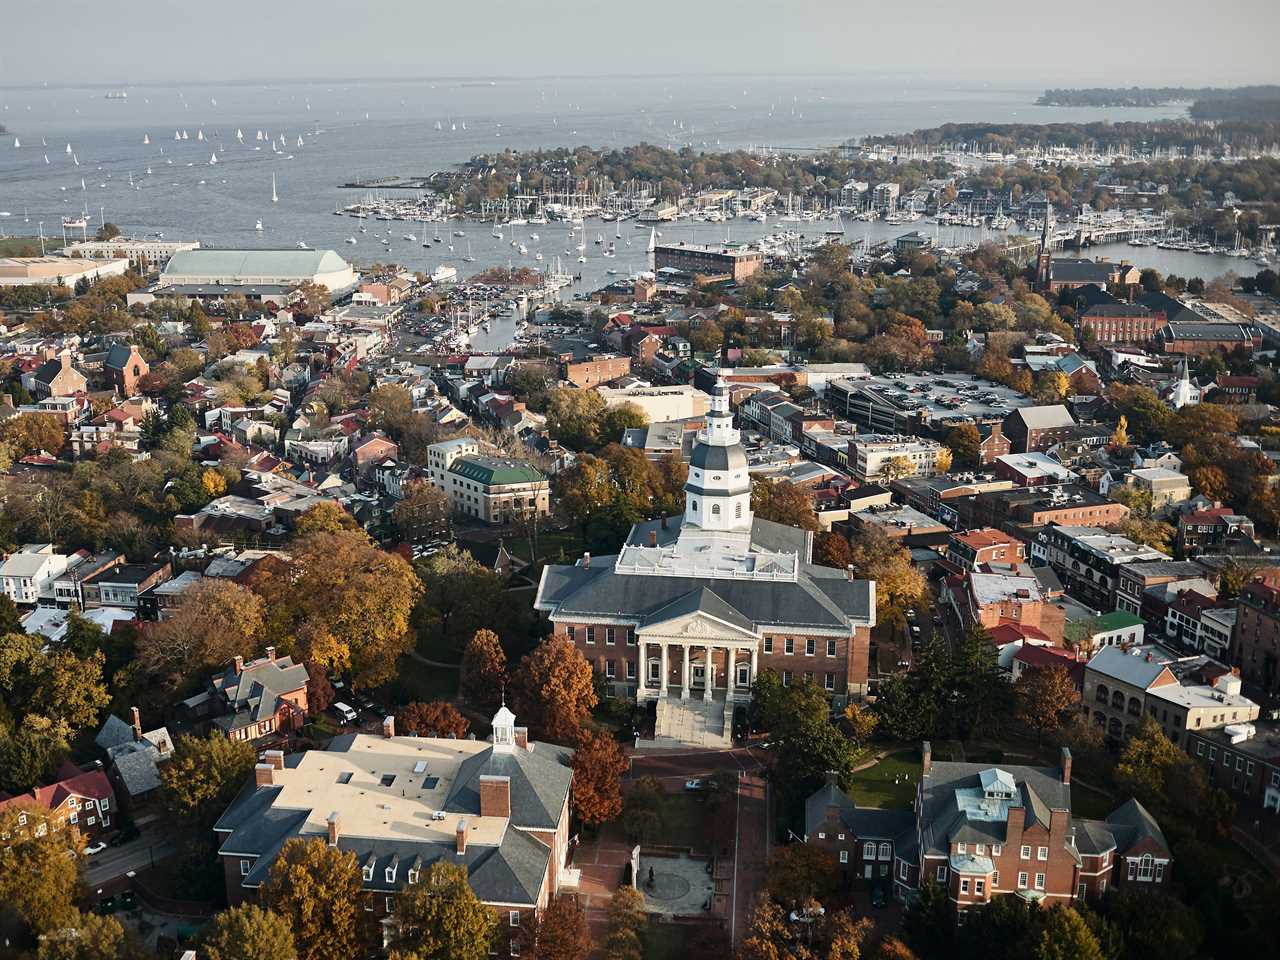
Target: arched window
1146,867
1135,707
1117,700
693,505
715,509
1100,719
1103,693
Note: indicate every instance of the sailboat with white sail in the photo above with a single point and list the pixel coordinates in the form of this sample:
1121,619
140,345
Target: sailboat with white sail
274,197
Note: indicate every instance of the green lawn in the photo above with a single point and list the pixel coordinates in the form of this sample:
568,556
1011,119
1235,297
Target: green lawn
23,246
686,821
416,680
666,940
875,787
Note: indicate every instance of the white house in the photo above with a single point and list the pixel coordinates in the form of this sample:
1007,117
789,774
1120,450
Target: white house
30,571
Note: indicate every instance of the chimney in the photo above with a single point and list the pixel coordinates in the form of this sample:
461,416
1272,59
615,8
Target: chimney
137,723
271,654
833,778
274,758
926,758
264,775
521,738
586,561
462,836
1066,765
848,572
653,538
239,665
388,727
495,796
333,828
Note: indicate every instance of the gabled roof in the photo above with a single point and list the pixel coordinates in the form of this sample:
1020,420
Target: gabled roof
1131,823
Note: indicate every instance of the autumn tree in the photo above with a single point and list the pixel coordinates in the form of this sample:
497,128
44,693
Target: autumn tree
800,872
310,298
247,932
896,468
627,925
891,948
29,433
316,890
390,407
484,671
844,934
899,583
574,417
965,444
782,502
320,692
341,602
598,767
39,871
859,722
216,621
325,517
768,935
1047,697
1211,481
559,932
440,917
553,690
1120,438
90,936
943,462
1065,936
433,719
1150,533
204,775
1169,783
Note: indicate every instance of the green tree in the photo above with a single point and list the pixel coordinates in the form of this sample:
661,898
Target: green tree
1047,698
204,775
460,596
89,936
983,699
574,417
627,925
247,932
643,810
783,502
316,890
800,872
39,873
900,585
440,918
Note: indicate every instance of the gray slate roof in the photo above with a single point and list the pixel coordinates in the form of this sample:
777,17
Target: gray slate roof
254,693
1039,791
540,780
864,823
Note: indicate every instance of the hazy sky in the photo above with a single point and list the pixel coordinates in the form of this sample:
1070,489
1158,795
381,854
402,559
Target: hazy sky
1081,43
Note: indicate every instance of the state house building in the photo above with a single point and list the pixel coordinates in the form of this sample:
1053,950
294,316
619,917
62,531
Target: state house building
693,607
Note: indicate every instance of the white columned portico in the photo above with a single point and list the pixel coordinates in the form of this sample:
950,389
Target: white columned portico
708,674
684,671
662,688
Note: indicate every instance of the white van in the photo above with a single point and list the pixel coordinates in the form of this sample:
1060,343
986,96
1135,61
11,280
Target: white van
346,713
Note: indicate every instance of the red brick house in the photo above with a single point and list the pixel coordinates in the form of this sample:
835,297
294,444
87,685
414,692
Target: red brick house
261,697
83,800
125,366
980,832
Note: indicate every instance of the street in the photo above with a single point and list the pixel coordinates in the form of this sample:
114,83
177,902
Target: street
139,854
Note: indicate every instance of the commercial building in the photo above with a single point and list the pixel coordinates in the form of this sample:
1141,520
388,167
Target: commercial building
249,268
495,490
911,403
1256,649
595,369
1242,759
1166,487
1023,510
727,262
1202,337
1182,694
143,253
874,457
971,549
1088,561
981,832
440,457
700,604
1032,469
53,271
660,404
884,196
1121,323
497,808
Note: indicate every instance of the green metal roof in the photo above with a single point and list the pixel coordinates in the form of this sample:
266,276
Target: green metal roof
1116,620
495,472
254,263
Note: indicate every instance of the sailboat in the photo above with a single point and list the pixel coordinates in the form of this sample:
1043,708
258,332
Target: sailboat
299,141
274,197
469,258
258,226
497,234
68,149
185,136
199,134
213,158
46,158
148,171
44,142
16,144
239,135
177,135
75,160
653,241
259,136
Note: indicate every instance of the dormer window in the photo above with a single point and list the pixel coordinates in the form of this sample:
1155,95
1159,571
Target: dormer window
368,871
390,874
413,876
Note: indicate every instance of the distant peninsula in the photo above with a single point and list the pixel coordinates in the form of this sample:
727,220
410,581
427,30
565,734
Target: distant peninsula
1206,103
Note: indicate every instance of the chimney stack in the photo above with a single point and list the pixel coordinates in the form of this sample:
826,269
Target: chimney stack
495,796
462,837
1066,765
521,737
849,572
274,758
926,758
264,775
653,538
137,723
271,654
388,727
333,822
833,778
239,661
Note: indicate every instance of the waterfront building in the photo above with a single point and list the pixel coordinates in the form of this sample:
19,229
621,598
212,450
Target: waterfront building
142,252
720,261
250,268
52,271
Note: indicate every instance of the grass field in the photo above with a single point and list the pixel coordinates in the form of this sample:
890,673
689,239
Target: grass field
416,680
875,786
27,246
686,822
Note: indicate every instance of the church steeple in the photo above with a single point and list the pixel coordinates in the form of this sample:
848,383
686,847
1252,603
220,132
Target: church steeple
1044,258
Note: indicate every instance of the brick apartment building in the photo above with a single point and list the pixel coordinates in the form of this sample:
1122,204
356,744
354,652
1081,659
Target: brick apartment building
1036,429
1257,642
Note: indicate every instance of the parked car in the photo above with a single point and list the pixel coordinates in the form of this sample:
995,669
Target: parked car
95,848
879,899
344,712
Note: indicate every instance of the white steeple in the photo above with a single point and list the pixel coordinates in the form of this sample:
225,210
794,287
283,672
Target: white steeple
504,730
718,490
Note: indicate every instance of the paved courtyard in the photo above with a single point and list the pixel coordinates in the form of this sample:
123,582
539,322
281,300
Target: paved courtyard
679,886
